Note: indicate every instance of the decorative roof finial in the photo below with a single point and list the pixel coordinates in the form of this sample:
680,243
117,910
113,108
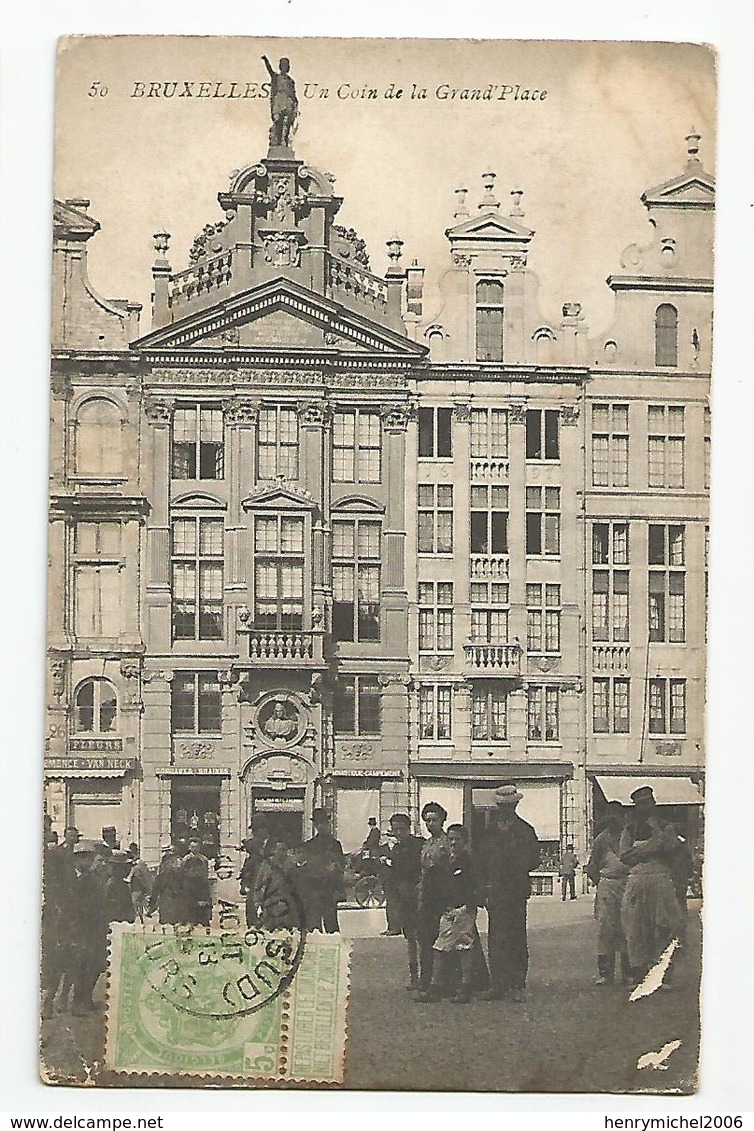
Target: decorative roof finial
516,210
489,202
461,212
394,250
161,244
692,146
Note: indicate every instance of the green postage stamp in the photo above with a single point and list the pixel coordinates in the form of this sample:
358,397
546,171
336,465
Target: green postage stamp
254,1004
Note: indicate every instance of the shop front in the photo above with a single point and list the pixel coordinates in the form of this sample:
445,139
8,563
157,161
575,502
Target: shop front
467,792
93,793
679,797
361,794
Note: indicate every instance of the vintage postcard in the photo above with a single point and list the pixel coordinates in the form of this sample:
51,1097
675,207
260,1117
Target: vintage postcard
375,735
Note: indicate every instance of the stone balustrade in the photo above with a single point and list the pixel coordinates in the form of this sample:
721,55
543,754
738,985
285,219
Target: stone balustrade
495,659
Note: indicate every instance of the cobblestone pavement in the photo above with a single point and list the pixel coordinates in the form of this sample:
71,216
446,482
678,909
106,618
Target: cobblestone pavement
570,1035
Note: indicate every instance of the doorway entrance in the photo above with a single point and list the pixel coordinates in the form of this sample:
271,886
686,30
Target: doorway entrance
195,812
282,812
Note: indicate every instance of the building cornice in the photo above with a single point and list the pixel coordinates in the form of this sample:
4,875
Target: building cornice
659,283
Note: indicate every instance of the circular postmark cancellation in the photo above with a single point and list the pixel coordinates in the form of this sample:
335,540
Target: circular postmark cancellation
227,971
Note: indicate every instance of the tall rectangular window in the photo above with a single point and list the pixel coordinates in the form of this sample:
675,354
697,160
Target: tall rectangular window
435,518
489,714
435,616
279,572
667,583
665,446
542,433
610,585
543,713
357,446
357,705
277,443
435,433
490,322
489,520
198,448
610,705
610,445
542,618
489,433
543,521
97,579
489,612
195,703
667,706
435,712
707,448
356,580
198,578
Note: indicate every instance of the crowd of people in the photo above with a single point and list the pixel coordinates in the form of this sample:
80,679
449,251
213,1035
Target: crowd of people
88,884
434,885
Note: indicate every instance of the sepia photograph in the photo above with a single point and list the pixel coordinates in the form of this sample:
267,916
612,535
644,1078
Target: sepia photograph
380,449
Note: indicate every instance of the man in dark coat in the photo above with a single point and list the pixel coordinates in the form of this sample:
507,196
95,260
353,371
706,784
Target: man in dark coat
511,852
322,867
89,918
401,875
168,896
254,846
195,870
120,906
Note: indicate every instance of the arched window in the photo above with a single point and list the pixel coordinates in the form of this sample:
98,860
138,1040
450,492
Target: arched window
666,335
489,320
98,438
96,707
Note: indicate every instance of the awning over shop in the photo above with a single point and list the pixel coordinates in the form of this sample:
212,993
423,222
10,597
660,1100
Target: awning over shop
667,790
492,771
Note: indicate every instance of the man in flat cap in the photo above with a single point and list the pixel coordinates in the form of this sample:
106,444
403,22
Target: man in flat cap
650,914
511,852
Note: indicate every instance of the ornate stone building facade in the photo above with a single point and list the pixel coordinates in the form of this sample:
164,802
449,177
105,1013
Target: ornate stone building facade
311,547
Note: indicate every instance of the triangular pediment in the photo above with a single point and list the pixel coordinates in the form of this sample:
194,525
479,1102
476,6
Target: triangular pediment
694,187
278,497
490,226
280,314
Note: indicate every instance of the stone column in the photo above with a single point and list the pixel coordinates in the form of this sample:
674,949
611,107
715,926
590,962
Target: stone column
517,521
395,419
240,415
156,756
232,826
314,420
159,415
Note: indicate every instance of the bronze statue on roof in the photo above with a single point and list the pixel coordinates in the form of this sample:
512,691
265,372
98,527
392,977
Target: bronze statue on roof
283,103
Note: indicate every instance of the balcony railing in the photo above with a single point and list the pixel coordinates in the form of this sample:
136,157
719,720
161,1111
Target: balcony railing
610,658
284,648
489,470
489,567
494,659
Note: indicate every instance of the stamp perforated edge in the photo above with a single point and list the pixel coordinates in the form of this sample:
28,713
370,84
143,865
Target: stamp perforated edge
237,1080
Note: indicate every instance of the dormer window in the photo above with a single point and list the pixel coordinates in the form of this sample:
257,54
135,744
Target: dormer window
489,320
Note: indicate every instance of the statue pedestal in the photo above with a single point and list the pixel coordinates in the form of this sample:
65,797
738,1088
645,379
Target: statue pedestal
282,153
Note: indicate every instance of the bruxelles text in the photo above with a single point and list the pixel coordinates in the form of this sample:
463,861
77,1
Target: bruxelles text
344,92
